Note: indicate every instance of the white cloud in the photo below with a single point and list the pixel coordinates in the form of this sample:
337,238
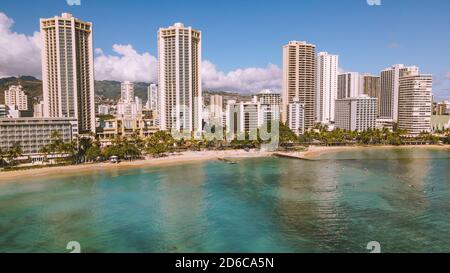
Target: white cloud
241,80
19,54
126,65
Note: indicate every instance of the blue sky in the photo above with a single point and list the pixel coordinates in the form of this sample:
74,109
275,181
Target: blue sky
250,33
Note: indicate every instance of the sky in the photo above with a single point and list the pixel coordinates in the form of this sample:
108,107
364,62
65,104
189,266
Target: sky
241,39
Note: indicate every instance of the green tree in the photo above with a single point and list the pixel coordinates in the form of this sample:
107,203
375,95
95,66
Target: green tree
93,153
13,153
159,143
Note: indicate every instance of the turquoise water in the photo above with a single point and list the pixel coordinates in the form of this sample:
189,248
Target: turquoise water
337,204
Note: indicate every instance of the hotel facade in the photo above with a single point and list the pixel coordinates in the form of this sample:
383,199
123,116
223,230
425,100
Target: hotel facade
415,103
180,83
68,70
327,77
299,79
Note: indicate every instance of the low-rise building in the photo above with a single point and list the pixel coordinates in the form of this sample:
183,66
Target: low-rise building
34,133
356,114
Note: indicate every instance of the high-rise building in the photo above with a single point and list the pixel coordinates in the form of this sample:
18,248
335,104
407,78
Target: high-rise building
356,113
15,96
372,88
268,97
68,70
327,77
180,83
242,117
350,85
152,97
296,117
128,106
38,110
390,78
415,103
127,91
299,79
216,109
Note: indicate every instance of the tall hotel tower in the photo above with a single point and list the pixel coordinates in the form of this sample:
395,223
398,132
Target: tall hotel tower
390,81
327,77
68,70
415,103
180,83
299,79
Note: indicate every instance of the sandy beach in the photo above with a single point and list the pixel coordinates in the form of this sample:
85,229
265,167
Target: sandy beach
182,158
312,153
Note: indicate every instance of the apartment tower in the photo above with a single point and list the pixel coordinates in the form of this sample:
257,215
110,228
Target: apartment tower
68,70
299,79
327,77
415,103
389,95
180,84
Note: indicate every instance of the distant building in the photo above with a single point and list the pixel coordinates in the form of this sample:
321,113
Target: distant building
242,117
440,123
268,97
299,79
68,70
38,109
382,123
128,106
34,133
389,94
327,86
215,112
356,114
104,109
109,129
16,96
350,85
415,103
152,97
296,117
372,88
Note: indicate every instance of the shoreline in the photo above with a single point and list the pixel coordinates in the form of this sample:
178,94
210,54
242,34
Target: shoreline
191,157
175,159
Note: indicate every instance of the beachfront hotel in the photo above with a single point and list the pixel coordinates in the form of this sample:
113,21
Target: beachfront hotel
299,79
356,114
216,109
34,133
268,97
327,77
180,84
68,70
415,103
389,94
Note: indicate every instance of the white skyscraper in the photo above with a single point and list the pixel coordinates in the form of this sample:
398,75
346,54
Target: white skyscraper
390,79
152,97
327,77
68,70
350,85
415,103
216,109
128,106
180,83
